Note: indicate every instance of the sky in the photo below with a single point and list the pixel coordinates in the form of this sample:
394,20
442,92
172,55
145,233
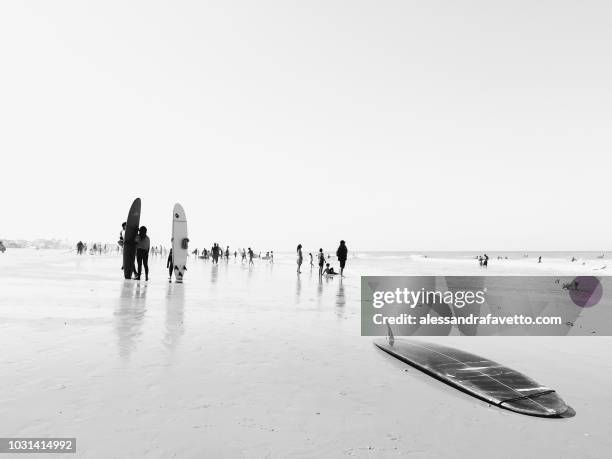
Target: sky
395,125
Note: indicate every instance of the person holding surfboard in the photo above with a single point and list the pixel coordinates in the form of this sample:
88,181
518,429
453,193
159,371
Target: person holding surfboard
170,266
143,244
122,234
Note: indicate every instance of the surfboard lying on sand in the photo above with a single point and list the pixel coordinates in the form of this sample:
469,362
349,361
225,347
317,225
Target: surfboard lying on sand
129,246
180,242
479,377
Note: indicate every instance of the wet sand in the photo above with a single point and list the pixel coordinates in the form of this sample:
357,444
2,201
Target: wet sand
256,362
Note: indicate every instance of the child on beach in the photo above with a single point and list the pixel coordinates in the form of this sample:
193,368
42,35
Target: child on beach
321,256
329,271
311,263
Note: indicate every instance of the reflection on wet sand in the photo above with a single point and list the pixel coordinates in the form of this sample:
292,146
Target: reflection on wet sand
129,315
214,273
298,289
319,290
340,299
175,307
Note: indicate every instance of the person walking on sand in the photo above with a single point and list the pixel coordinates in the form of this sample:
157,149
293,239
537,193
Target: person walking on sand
485,261
251,255
342,253
170,266
321,257
216,251
300,258
143,244
311,262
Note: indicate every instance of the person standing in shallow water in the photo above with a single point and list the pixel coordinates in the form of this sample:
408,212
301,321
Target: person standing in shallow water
300,258
143,244
342,253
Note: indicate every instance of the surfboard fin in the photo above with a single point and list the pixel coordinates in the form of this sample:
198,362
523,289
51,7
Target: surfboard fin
390,335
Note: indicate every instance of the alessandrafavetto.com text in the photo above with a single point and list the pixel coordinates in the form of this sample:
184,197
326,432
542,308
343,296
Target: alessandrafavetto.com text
459,299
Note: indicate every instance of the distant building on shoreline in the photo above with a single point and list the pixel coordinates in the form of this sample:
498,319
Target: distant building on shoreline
36,244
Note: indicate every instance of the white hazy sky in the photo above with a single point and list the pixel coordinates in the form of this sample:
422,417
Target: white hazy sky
434,125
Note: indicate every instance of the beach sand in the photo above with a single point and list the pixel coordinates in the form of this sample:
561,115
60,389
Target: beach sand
258,362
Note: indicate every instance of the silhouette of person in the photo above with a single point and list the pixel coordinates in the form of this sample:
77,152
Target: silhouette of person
143,244
342,253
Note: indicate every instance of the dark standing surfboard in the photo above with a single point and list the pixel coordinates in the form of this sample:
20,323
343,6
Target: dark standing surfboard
480,377
129,246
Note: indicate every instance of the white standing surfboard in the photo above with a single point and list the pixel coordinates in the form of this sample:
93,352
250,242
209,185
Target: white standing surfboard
180,242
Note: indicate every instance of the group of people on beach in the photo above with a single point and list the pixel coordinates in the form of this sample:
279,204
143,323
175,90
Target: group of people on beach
483,260
216,253
324,266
